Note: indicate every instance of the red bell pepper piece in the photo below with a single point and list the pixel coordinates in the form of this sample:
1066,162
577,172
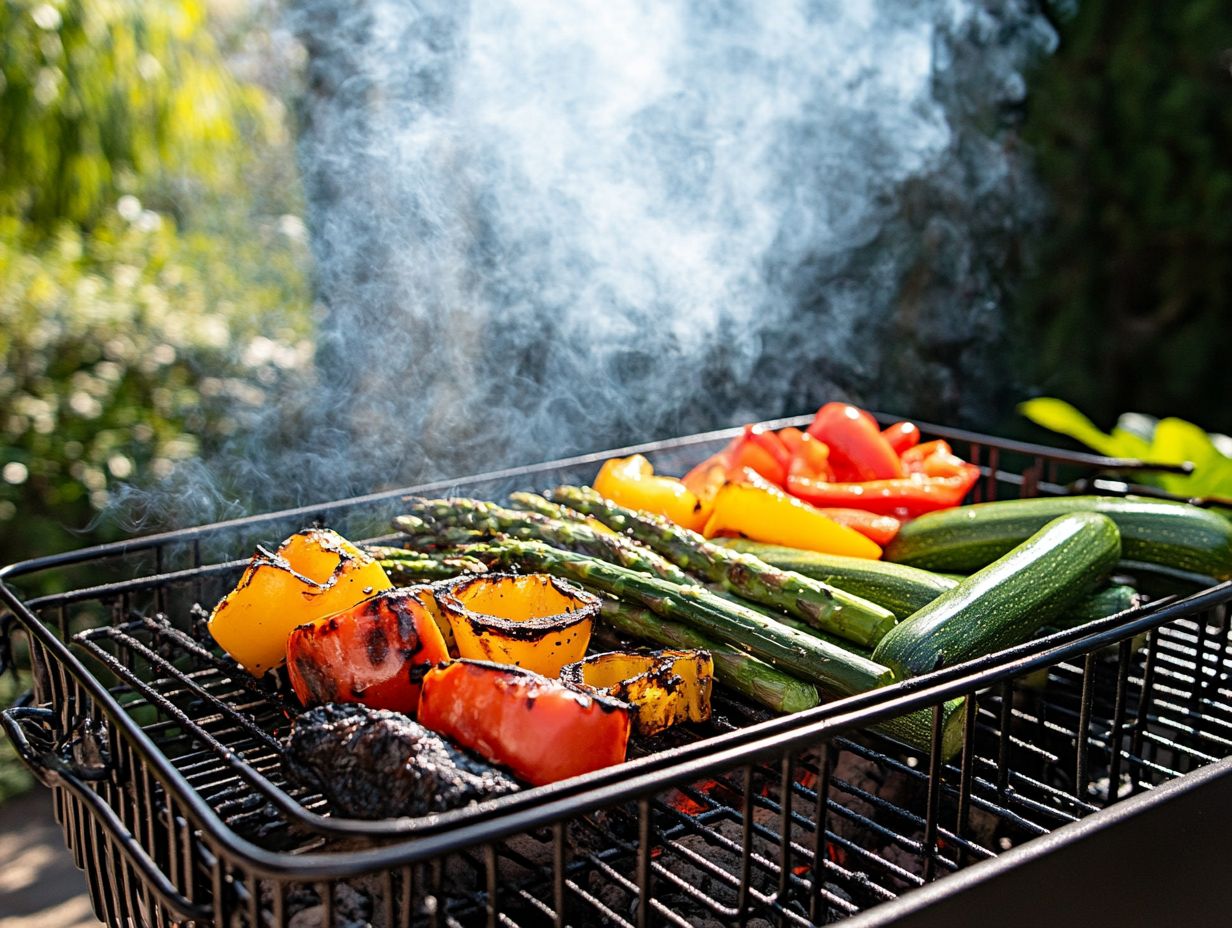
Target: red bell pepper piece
761,450
755,457
858,451
541,729
372,653
809,457
874,527
933,459
902,436
902,496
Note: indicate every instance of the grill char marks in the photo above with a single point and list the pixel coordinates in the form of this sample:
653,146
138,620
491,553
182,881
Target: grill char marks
372,763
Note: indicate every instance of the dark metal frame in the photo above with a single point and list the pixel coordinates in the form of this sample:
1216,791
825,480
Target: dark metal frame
157,849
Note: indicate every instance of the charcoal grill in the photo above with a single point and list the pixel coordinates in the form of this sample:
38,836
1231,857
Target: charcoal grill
1094,766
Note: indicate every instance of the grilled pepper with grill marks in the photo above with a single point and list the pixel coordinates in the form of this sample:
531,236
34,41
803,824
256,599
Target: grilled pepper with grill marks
374,653
663,687
313,574
535,621
541,729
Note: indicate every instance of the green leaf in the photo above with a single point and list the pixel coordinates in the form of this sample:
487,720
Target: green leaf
1177,441
1060,416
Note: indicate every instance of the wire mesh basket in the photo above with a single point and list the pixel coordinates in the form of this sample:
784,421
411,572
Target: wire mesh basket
165,768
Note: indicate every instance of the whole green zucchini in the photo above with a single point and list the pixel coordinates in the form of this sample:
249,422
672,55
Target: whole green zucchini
1008,601
1174,535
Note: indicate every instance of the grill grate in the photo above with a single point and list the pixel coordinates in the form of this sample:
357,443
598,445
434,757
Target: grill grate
164,762
747,840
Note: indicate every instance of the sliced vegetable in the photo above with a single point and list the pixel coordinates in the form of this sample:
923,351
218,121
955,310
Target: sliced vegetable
880,529
761,451
811,458
901,436
1174,535
663,687
858,450
632,482
766,514
535,621
313,574
1009,600
904,496
541,729
374,653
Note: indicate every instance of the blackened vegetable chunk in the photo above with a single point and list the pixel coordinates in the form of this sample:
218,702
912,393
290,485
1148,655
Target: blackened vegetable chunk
373,763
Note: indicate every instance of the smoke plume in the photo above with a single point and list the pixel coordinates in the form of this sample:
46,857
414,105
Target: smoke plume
540,228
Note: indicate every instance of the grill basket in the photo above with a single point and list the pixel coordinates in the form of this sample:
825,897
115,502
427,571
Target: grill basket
163,761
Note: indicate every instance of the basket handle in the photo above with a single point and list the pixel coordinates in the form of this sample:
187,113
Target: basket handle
91,760
53,770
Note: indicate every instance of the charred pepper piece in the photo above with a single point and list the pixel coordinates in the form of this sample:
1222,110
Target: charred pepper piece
663,687
543,730
535,621
373,763
374,653
313,574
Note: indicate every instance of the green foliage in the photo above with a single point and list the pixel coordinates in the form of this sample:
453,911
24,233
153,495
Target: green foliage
126,350
1131,126
1162,441
152,285
96,97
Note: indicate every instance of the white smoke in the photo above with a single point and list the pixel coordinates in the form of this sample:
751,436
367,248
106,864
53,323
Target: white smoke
544,227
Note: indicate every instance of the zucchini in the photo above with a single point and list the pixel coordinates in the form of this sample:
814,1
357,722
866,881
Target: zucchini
899,588
1115,598
1175,535
916,728
1009,600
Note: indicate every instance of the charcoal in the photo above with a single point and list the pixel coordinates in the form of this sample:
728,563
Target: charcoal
373,763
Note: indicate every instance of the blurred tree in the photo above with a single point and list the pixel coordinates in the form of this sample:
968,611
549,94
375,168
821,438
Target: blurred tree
98,97
1131,120
152,284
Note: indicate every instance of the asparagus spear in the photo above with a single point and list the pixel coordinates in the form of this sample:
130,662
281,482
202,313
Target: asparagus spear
805,656
816,603
492,519
406,568
533,502
733,668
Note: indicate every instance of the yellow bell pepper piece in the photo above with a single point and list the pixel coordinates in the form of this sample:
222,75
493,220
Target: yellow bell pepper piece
632,483
534,621
663,687
312,575
765,513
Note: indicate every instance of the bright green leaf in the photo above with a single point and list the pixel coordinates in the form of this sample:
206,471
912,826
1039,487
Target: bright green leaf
1060,416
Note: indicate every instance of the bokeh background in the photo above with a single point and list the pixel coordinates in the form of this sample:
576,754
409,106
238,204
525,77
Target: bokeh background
157,288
